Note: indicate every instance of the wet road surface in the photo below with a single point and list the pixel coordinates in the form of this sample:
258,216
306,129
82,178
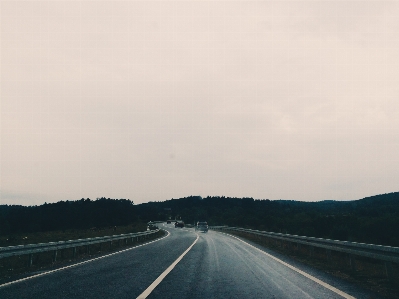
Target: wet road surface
216,266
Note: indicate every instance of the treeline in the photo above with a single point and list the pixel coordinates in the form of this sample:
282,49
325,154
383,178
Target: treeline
80,214
370,220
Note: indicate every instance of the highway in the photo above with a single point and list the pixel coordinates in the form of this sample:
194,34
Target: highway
186,264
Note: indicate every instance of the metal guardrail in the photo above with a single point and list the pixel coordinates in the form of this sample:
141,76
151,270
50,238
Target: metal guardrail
54,246
378,252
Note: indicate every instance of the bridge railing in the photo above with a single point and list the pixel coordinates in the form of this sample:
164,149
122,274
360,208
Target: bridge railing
387,254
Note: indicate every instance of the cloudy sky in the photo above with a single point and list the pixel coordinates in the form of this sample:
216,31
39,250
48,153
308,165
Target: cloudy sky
153,100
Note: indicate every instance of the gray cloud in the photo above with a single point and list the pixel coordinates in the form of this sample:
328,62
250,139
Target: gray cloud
154,100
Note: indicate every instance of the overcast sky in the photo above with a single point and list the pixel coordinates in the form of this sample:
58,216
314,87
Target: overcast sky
153,100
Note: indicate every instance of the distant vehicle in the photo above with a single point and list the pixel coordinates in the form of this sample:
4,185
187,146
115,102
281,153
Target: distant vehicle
168,222
151,226
202,226
179,224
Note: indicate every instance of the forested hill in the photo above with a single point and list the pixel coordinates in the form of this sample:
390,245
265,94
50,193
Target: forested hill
80,214
371,220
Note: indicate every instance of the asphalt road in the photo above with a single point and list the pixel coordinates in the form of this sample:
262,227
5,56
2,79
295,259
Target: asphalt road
216,266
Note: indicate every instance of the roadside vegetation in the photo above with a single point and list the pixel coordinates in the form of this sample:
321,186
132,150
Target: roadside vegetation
373,220
66,215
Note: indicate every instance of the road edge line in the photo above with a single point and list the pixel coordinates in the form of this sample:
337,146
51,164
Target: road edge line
80,263
320,282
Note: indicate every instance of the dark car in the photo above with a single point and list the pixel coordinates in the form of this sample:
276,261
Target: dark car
202,226
179,224
168,222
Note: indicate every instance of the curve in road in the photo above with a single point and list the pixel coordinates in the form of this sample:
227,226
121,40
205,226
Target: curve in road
186,265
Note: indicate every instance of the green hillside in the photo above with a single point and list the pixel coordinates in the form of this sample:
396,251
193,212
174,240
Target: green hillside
373,219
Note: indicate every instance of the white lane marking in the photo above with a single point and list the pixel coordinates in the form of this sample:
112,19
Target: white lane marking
77,264
161,277
322,283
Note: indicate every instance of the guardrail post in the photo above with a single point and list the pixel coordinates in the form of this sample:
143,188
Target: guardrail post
74,252
30,261
55,256
126,241
388,270
88,249
311,251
